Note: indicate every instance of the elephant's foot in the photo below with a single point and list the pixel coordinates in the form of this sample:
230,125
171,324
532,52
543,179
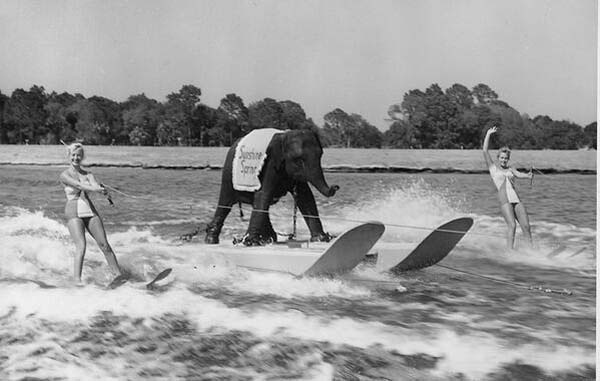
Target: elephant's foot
212,235
270,236
323,237
255,240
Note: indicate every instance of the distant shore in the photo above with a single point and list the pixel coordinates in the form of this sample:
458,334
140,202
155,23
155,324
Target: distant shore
334,159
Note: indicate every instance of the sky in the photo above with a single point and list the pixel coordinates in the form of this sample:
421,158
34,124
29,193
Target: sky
540,56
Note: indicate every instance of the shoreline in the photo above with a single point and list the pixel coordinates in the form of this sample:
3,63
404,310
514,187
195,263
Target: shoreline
342,160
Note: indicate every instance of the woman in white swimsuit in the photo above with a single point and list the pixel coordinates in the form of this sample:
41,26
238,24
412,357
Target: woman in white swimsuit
80,211
503,176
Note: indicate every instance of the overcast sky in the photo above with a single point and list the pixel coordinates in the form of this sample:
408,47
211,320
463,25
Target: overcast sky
540,56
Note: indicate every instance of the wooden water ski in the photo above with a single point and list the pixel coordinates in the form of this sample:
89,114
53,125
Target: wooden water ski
118,281
162,275
435,247
347,250
122,279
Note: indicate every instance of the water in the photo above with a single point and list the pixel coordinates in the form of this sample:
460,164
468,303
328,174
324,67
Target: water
221,322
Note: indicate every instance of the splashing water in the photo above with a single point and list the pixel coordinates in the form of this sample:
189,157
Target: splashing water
211,319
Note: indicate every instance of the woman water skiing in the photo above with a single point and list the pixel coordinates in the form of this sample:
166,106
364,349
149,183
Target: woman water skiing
82,215
511,207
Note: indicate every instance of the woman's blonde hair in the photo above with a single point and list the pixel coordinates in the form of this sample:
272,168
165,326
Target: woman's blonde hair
505,150
73,147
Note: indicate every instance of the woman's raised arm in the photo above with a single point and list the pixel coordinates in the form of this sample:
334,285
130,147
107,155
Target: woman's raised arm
486,143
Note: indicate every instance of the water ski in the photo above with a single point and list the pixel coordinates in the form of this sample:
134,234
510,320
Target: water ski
39,283
122,279
435,247
118,281
161,275
347,250
339,256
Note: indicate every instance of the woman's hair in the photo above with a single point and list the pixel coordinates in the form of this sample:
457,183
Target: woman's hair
73,147
505,150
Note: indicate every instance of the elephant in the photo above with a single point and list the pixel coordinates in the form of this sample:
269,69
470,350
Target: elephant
293,160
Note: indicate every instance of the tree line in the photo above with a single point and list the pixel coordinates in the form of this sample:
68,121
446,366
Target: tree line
455,118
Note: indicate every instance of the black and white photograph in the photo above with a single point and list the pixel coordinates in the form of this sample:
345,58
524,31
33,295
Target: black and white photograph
298,190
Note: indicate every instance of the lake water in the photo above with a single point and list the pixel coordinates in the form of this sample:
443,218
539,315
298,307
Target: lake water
473,319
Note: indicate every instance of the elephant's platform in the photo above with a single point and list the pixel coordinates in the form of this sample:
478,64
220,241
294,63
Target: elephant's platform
337,257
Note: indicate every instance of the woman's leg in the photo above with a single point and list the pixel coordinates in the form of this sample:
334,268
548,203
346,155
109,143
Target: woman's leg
96,229
77,230
523,218
508,213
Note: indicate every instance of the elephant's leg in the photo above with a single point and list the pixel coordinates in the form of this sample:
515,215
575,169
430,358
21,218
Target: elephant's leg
308,207
268,234
213,229
227,197
226,200
259,218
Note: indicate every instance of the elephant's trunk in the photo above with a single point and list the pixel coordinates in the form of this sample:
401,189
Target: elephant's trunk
318,181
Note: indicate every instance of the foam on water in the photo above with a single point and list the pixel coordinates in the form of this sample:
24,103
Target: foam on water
34,245
38,247
424,208
419,204
260,283
19,221
555,245
209,315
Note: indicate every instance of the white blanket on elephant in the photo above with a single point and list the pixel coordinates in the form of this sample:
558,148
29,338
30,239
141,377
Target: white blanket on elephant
250,155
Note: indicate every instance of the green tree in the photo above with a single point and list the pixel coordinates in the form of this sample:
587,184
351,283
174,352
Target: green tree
515,131
341,127
232,120
141,117
413,107
442,116
400,134
72,118
395,113
25,115
366,135
329,137
168,134
139,136
204,120
293,116
233,107
348,131
455,118
180,108
3,102
433,116
267,113
98,121
484,94
58,118
591,131
471,124
558,134
461,96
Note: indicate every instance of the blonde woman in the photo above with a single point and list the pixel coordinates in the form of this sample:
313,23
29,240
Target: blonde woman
503,175
82,215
